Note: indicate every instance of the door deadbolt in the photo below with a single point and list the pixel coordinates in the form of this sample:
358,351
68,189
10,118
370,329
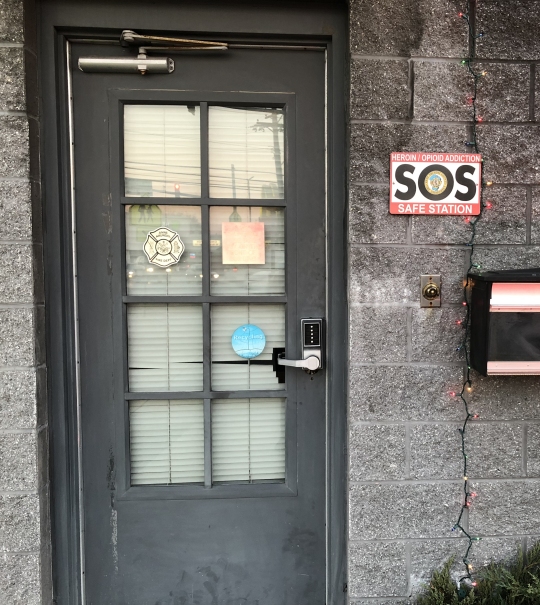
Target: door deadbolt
430,290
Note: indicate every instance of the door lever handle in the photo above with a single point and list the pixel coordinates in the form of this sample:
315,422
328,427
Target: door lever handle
311,364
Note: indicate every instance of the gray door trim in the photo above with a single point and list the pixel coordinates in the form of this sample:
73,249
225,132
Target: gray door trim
303,24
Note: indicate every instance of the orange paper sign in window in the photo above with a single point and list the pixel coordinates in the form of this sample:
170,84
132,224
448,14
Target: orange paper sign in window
243,243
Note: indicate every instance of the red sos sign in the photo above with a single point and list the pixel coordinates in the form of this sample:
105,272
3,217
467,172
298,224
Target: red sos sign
435,183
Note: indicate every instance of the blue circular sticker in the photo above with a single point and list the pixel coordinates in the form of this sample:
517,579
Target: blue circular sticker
248,341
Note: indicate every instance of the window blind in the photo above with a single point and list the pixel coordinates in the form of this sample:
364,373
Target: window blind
165,347
248,440
162,150
167,442
240,374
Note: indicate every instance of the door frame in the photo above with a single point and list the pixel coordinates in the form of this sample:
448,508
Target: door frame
284,22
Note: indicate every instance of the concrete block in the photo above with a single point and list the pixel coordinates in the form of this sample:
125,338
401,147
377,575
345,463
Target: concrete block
390,274
428,28
510,152
511,30
371,145
436,452
494,450
376,452
15,210
17,400
11,21
14,155
404,393
19,579
37,222
429,555
397,511
440,230
377,569
535,218
16,279
436,334
39,401
504,223
370,220
505,397
12,95
503,93
537,97
379,89
31,74
17,337
19,523
504,508
533,450
378,334
507,257
18,470
441,91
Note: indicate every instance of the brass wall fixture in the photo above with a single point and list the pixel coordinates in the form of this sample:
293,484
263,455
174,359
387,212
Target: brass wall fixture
430,291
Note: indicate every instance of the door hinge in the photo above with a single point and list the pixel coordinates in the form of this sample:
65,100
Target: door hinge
143,64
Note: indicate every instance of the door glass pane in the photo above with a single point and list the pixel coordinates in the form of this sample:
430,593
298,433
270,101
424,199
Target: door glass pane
162,150
252,328
165,347
246,152
166,442
248,440
149,272
247,254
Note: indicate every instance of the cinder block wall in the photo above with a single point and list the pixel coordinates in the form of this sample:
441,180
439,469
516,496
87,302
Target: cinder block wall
408,93
23,427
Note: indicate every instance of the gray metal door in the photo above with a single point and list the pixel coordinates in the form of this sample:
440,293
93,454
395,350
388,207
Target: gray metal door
200,243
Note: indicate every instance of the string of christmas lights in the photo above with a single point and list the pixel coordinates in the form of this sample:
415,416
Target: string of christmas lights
468,16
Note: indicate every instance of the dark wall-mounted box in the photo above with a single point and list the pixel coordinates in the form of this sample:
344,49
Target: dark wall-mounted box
505,322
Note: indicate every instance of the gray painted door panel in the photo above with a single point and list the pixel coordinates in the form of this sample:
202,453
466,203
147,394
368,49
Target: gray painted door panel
166,546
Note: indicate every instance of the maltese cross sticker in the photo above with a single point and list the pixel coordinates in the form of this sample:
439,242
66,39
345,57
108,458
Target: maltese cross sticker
163,247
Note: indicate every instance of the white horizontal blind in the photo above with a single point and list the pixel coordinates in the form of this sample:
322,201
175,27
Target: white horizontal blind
245,375
165,347
248,440
145,279
162,150
241,280
167,442
246,152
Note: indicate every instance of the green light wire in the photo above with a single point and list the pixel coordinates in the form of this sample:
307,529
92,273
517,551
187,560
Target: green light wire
468,62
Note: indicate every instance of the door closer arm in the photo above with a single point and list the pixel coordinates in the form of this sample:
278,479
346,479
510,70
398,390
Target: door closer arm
143,64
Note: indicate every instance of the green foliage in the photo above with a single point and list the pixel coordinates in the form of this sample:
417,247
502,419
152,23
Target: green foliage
505,583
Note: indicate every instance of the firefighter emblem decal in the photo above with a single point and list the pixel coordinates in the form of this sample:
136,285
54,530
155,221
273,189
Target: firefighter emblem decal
163,247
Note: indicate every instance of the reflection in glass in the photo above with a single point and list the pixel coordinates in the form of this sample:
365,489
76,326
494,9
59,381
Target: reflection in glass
245,279
246,148
162,150
166,442
230,372
165,347
146,279
248,440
